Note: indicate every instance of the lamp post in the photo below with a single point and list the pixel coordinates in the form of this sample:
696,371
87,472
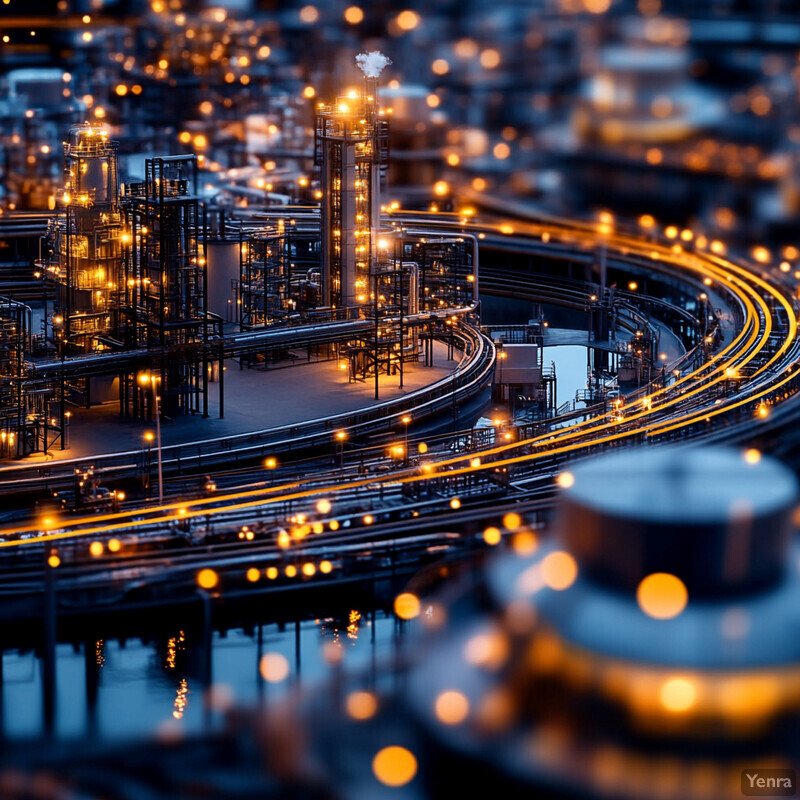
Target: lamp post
146,379
406,421
148,437
341,436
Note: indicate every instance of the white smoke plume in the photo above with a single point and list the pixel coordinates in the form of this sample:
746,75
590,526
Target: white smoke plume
372,63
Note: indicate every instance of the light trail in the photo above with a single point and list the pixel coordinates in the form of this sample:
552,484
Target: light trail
646,418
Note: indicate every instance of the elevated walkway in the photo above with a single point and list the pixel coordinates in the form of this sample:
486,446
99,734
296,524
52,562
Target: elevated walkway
255,399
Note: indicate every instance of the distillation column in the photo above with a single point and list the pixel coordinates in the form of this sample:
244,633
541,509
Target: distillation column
351,147
87,242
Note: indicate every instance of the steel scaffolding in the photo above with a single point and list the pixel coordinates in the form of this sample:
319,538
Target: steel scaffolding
161,300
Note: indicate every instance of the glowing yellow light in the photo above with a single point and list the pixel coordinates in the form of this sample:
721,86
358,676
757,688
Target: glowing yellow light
274,667
114,545
121,89
407,20
272,573
361,705
324,506
53,561
325,567
492,536
309,569
678,695
406,605
394,766
433,100
291,571
455,503
253,574
662,595
490,58
451,707
441,188
309,14
207,579
96,549
566,480
501,151
353,15
752,456
309,92
512,521
559,570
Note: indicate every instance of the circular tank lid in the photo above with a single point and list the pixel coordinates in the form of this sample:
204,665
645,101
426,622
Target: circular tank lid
679,485
718,519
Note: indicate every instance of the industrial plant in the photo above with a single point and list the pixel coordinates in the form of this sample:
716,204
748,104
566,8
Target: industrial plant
399,400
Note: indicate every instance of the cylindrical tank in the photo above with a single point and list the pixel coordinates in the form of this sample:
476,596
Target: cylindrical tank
222,274
90,160
648,649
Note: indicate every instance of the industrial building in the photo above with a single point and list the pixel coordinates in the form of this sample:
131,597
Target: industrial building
139,290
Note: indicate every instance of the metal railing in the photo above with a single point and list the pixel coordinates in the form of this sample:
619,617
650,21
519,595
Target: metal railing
472,374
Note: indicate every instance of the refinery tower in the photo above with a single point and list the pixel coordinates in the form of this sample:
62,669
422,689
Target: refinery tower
352,149
88,240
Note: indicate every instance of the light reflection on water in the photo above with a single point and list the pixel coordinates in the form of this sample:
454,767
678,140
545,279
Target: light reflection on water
142,688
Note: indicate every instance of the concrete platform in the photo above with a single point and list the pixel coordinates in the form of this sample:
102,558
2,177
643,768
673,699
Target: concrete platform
255,399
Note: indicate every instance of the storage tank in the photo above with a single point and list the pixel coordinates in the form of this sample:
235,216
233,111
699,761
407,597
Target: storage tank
222,276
